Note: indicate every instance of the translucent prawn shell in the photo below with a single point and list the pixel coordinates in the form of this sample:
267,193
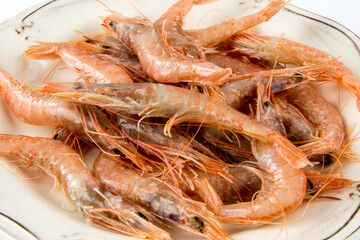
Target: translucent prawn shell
297,24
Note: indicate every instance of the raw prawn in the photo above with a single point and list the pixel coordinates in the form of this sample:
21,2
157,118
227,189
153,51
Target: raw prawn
67,168
86,122
157,58
93,68
289,52
178,104
212,35
283,192
157,197
328,126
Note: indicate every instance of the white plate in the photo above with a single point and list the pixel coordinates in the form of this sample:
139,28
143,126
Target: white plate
28,202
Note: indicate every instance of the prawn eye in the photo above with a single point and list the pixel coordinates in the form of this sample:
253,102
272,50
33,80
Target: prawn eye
267,105
328,159
142,216
118,152
112,24
105,46
56,136
310,187
297,77
199,89
197,224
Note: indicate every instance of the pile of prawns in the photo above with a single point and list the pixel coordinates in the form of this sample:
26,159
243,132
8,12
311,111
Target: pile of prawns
185,136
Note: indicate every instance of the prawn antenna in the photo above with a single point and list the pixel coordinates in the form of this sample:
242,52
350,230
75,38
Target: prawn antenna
107,7
141,14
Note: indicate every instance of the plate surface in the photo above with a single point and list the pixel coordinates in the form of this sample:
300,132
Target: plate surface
28,201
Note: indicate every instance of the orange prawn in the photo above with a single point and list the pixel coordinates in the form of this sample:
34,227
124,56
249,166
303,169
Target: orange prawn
93,68
212,35
280,195
67,168
86,122
171,22
328,127
289,52
157,58
158,198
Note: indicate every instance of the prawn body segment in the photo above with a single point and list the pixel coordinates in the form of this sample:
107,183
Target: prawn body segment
242,185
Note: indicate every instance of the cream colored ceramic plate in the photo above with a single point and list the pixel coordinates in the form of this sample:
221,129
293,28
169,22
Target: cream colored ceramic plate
30,209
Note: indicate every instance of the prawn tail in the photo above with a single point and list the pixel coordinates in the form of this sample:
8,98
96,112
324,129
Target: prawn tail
218,77
201,2
288,151
272,8
208,194
248,44
321,182
318,146
7,82
43,51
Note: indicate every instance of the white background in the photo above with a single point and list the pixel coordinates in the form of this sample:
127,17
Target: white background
346,12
